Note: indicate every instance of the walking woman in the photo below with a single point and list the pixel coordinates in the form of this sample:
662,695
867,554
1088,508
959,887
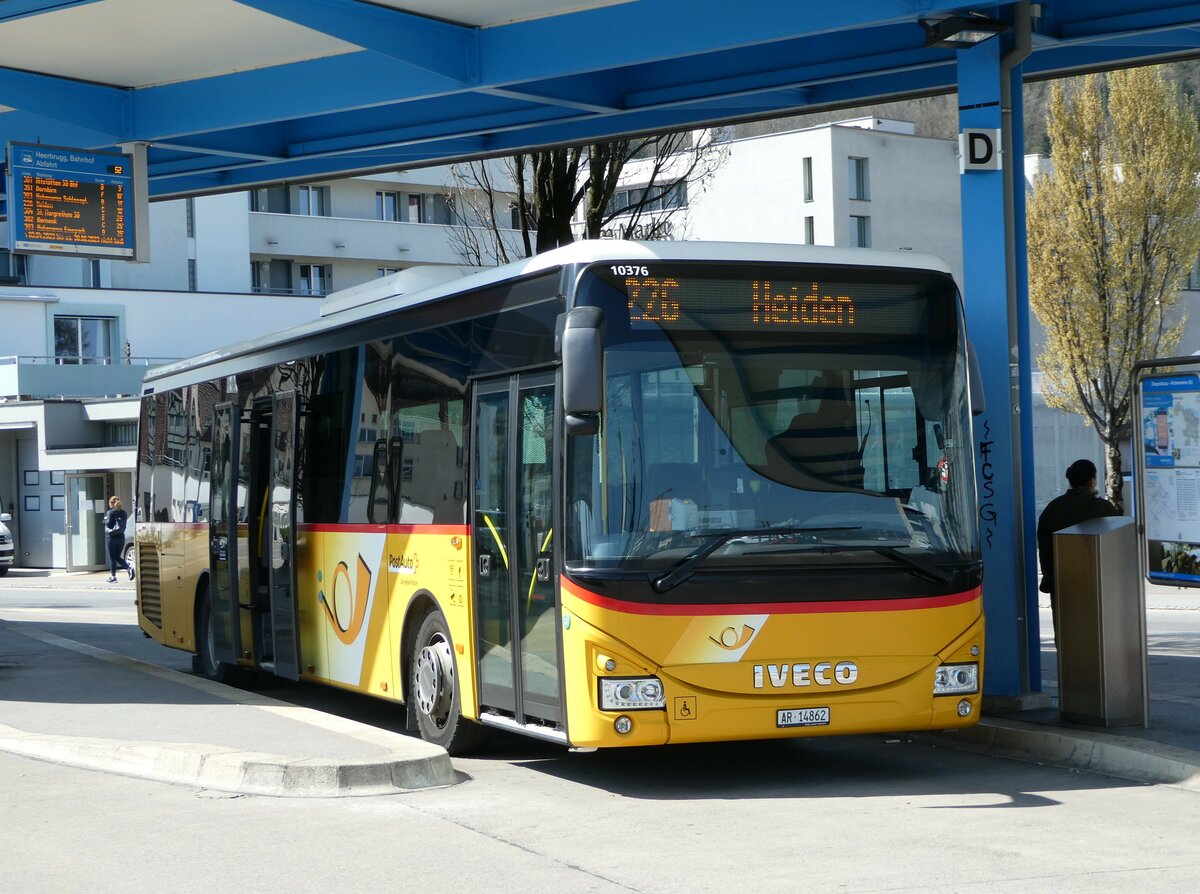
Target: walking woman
114,523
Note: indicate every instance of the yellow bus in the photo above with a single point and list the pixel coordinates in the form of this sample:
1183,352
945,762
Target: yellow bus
616,494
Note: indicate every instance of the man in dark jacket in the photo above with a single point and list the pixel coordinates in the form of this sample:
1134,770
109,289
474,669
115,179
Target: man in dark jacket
1078,504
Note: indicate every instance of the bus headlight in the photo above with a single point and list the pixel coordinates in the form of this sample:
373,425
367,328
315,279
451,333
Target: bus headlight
631,694
956,679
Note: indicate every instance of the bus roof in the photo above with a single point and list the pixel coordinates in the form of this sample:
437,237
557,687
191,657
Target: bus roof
422,285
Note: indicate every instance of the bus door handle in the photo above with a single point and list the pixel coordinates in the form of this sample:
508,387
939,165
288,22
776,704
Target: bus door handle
543,569
485,565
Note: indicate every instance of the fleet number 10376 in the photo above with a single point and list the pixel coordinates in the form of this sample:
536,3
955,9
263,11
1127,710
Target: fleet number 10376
629,270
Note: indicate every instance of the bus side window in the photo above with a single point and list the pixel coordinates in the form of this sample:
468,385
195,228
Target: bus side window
428,476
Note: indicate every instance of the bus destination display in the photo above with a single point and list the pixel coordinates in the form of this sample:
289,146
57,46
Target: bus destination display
767,300
70,201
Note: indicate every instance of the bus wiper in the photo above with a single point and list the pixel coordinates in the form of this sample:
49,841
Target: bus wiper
686,566
917,565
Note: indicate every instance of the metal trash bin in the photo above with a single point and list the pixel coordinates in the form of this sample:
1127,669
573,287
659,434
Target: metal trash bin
1101,624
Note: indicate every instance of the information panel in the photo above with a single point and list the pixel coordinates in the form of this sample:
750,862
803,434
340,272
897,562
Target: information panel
70,201
1170,448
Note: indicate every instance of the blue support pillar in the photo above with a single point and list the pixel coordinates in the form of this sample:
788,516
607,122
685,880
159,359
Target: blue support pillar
986,275
1024,396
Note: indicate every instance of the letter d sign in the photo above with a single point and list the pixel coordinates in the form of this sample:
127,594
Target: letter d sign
978,150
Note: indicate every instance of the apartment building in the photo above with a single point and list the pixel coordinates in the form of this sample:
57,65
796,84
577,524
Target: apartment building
866,182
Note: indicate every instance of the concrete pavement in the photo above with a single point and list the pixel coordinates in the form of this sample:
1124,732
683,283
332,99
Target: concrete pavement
68,702
1167,752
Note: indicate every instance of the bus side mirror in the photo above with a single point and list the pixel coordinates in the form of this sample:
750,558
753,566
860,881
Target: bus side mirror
975,381
581,346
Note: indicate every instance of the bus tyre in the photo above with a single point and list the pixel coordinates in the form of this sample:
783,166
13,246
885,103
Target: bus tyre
434,690
205,662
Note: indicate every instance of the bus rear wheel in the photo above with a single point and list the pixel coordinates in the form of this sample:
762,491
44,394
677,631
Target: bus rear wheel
434,690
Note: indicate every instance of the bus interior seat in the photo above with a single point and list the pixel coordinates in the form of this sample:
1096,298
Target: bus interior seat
823,445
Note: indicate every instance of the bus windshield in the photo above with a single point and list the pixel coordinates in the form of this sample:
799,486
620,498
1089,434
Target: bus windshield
775,418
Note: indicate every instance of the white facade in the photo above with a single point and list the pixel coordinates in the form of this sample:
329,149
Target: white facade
870,176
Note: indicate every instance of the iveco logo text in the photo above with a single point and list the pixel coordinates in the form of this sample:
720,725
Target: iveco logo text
805,674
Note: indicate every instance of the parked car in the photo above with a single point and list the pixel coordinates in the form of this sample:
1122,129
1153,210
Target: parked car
129,550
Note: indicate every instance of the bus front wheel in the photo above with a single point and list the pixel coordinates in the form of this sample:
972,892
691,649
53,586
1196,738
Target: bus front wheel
434,690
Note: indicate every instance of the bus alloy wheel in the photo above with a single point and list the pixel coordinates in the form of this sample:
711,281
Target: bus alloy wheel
435,680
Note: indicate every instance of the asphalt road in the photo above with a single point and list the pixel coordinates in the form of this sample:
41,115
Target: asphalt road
849,814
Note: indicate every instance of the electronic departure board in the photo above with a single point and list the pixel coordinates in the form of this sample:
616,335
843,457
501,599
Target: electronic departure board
775,298
70,201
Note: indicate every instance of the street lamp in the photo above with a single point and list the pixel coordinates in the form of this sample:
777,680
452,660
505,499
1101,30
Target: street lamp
960,32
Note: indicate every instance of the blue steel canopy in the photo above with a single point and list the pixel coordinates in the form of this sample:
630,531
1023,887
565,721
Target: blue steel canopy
231,93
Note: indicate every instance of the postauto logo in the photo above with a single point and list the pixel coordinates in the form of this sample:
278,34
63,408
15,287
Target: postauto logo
346,605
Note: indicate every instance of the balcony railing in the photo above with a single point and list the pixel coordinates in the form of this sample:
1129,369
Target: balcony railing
45,360
295,290
40,377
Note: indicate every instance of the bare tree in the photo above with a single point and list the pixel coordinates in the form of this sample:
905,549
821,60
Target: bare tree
489,196
629,188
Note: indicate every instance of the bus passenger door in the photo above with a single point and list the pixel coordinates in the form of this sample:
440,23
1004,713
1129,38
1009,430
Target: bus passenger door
515,580
285,613
222,535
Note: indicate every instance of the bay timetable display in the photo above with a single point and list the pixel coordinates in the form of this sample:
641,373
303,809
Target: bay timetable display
70,201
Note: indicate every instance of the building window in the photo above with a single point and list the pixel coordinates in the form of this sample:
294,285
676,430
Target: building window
190,211
431,208
387,205
859,182
386,271
83,340
94,273
810,231
312,200
120,434
663,198
860,231
315,279
806,167
191,274
1192,282
273,277
273,199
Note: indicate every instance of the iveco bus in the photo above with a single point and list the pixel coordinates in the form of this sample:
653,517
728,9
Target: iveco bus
616,494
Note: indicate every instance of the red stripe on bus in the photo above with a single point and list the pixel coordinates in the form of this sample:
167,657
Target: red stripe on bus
776,608
387,529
